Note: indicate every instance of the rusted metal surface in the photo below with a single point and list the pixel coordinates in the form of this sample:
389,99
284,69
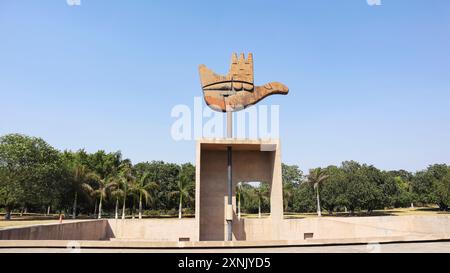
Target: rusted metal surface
236,90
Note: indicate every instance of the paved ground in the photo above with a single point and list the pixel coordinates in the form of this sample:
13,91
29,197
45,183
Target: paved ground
432,247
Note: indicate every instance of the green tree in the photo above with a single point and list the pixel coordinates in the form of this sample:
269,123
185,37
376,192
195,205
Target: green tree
441,190
116,194
80,178
426,185
100,190
261,193
184,187
317,177
31,172
144,188
292,177
362,187
304,198
332,192
166,175
240,192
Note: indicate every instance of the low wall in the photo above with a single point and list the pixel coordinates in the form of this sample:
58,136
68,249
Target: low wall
365,227
252,230
80,230
342,228
154,229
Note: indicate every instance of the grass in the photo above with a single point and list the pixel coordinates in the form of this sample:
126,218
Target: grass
385,212
18,223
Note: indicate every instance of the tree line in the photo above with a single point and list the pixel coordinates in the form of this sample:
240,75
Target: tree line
353,187
35,177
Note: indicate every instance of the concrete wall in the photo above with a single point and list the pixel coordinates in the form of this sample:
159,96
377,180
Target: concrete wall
80,230
251,161
154,229
348,228
247,229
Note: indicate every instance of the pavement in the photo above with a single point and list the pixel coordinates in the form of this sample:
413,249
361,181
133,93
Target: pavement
414,247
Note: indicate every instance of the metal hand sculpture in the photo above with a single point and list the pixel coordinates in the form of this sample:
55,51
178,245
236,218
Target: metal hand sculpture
236,90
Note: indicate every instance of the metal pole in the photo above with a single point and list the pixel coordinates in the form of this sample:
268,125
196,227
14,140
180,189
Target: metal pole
230,192
229,124
230,175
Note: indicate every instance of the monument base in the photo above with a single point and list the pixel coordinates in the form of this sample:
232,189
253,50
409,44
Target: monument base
252,161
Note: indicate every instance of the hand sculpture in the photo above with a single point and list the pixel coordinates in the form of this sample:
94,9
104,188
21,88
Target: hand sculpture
236,90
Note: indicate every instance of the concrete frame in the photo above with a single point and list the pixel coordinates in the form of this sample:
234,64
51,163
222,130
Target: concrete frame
252,160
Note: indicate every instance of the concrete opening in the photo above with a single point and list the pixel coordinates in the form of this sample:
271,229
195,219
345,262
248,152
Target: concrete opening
253,199
252,160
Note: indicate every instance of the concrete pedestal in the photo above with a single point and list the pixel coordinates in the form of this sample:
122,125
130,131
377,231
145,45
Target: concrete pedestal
253,160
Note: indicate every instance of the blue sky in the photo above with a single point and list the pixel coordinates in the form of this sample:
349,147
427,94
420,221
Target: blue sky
368,83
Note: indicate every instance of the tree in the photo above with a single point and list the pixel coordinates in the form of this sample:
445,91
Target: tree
398,191
244,198
31,172
102,185
288,194
116,193
358,189
291,176
317,177
144,188
427,185
166,176
10,191
125,179
304,198
239,193
332,192
184,187
441,190
80,180
261,194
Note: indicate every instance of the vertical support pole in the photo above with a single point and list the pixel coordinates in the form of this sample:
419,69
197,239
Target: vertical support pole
229,124
230,178
230,194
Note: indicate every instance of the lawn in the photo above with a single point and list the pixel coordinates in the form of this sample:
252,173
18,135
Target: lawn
385,212
18,223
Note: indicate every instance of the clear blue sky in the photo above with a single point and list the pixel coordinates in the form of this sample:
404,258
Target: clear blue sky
368,83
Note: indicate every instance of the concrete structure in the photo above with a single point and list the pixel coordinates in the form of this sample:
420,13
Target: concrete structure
71,230
172,233
253,160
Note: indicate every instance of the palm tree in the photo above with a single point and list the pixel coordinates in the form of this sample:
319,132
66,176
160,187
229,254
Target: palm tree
142,188
87,188
184,188
80,179
261,193
242,193
116,193
124,184
317,177
239,195
103,185
125,179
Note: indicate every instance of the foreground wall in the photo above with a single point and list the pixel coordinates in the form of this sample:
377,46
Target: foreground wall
345,228
80,230
154,229
175,230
